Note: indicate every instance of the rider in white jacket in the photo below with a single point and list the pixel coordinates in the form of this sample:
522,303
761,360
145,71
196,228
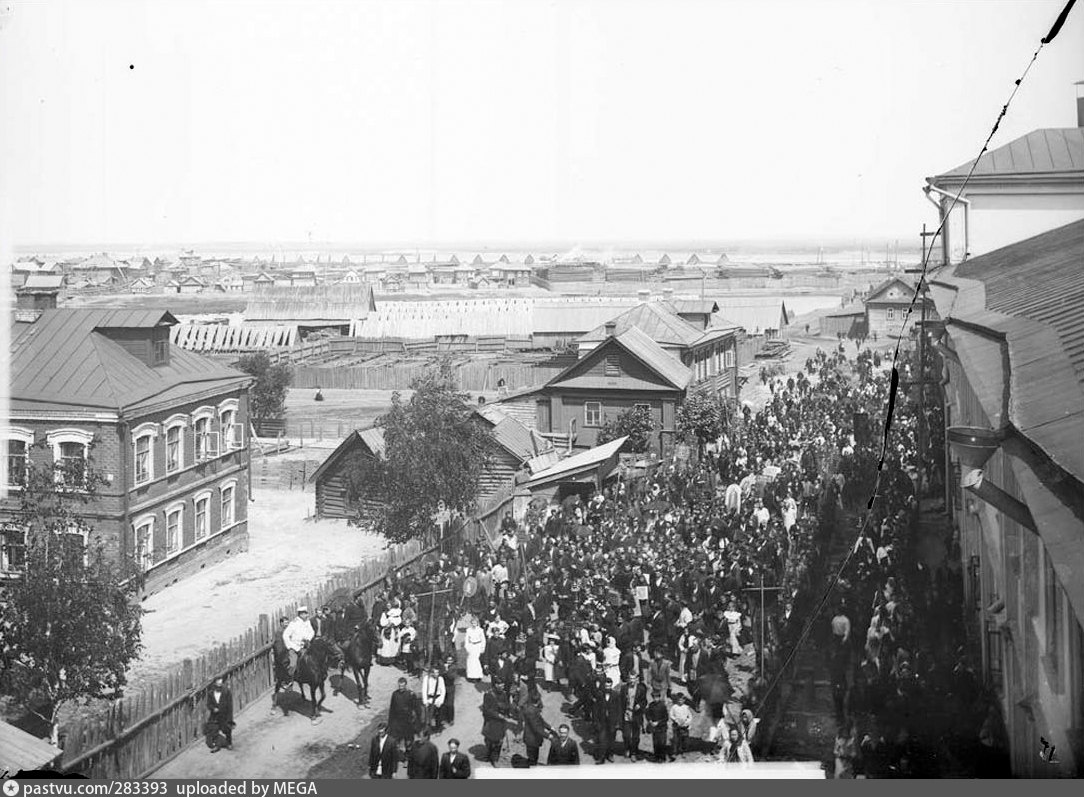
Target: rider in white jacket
298,634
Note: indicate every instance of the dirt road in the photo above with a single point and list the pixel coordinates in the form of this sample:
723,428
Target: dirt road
270,745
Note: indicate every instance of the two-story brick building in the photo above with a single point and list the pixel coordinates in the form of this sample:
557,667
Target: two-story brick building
164,427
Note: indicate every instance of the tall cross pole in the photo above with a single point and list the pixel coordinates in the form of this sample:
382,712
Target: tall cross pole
763,616
432,595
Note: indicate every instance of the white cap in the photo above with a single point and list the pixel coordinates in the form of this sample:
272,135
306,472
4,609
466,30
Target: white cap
302,609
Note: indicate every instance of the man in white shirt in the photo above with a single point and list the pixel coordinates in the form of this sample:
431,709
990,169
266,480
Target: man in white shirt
761,514
433,695
297,634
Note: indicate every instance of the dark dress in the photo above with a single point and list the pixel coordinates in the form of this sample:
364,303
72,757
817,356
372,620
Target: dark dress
402,714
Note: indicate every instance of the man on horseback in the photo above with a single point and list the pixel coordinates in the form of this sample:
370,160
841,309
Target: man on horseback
296,636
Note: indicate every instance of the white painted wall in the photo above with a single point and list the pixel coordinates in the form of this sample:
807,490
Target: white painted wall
1000,219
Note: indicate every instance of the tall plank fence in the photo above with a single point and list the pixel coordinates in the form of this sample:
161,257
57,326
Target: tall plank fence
146,729
476,377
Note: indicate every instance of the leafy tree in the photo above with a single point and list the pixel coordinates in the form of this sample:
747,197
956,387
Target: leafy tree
434,451
267,397
702,417
636,423
71,622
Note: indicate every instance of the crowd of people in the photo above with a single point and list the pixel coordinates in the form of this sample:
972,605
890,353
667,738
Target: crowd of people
642,601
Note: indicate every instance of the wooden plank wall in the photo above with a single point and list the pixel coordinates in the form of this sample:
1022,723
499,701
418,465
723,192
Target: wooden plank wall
149,727
476,377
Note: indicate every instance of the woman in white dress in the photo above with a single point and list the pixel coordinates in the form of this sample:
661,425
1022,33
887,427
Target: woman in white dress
549,660
475,645
733,620
611,660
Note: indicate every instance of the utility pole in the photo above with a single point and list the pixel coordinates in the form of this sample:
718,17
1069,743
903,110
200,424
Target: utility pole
763,618
920,379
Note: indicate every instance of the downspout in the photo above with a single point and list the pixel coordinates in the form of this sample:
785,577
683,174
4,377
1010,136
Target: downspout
967,215
122,480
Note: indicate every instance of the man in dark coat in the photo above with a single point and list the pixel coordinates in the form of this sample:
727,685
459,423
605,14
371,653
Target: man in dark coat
607,721
220,712
535,729
403,715
563,750
424,761
657,717
453,764
380,605
447,709
383,754
633,706
496,711
633,661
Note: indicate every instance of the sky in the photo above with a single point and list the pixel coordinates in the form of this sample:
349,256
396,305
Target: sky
579,121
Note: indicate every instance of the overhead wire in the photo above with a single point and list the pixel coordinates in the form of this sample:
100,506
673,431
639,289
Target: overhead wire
894,385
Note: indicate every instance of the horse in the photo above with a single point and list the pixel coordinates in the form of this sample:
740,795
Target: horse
357,652
312,668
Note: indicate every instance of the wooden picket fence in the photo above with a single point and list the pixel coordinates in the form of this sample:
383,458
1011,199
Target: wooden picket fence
144,730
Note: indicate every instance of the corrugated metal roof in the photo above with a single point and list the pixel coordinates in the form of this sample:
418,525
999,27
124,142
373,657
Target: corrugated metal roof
61,361
659,323
21,750
1045,151
1041,279
323,303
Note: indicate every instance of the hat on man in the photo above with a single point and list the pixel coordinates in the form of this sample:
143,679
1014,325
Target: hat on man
302,609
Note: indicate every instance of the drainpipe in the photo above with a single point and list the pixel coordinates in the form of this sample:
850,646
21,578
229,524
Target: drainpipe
967,215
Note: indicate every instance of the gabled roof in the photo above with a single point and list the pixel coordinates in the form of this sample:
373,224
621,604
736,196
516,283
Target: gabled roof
648,352
1048,152
664,260
478,261
660,323
876,294
63,360
510,434
372,438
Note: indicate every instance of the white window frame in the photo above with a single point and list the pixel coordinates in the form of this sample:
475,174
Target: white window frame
58,436
643,404
201,496
175,422
177,508
200,451
5,565
146,558
143,430
231,486
18,435
587,414
890,314
230,440
728,357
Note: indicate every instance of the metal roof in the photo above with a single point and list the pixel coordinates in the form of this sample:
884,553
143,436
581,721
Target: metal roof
660,323
640,346
21,750
1042,279
884,286
61,361
1054,150
510,434
43,281
1029,296
578,462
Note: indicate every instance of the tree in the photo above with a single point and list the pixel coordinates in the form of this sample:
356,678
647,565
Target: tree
435,451
703,417
635,423
267,397
71,622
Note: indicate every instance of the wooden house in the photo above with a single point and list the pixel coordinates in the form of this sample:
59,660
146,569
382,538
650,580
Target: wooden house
886,308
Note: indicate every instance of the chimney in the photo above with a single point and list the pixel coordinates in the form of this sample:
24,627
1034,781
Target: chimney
1080,103
611,328
643,295
35,298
